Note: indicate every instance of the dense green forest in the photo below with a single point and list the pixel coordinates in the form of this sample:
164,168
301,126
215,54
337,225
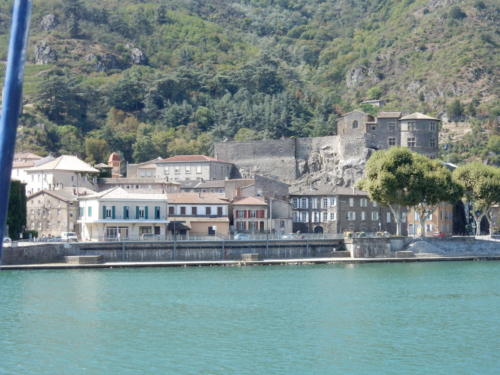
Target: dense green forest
155,78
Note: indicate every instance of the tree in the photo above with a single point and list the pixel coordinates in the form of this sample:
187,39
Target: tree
457,13
390,180
481,190
73,11
96,150
16,216
434,184
455,110
245,135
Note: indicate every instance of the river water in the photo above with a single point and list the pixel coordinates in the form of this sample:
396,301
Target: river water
418,318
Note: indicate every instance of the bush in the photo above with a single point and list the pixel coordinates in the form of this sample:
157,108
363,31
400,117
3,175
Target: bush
456,13
479,5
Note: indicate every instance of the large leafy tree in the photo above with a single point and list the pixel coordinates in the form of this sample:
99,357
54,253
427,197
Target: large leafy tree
433,185
481,187
16,217
390,180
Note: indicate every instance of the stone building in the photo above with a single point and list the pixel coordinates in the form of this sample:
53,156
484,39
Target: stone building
416,131
51,212
340,210
182,168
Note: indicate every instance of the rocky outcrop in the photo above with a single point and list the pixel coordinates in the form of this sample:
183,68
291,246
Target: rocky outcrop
137,57
44,53
48,22
104,62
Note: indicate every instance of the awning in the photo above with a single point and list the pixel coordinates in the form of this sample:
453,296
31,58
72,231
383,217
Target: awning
178,225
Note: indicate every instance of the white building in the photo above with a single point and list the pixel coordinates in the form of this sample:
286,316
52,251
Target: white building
24,161
117,214
66,171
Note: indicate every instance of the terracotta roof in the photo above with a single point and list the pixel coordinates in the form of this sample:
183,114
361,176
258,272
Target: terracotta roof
195,198
419,116
114,157
250,201
189,158
389,115
26,156
23,164
65,163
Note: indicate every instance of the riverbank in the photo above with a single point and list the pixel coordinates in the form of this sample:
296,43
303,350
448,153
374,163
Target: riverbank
265,262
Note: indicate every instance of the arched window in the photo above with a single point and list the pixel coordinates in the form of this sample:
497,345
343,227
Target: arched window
354,124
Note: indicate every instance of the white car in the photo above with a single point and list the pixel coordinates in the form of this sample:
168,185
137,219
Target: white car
7,241
69,237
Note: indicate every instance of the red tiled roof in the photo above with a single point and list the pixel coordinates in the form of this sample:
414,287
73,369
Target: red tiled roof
250,201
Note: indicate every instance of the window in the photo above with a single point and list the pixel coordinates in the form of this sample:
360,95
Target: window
108,212
177,170
183,210
157,213
392,126
403,217
81,211
171,210
219,211
314,203
303,203
351,202
333,201
194,211
208,211
241,226
374,204
392,141
374,215
411,142
198,169
432,126
388,217
295,203
166,170
333,216
432,142
126,213
373,127
325,203
351,215
411,125
188,169
142,212
325,216
363,215
354,124
363,202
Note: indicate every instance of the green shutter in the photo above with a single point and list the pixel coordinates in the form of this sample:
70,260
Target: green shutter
157,212
104,212
137,212
146,212
113,215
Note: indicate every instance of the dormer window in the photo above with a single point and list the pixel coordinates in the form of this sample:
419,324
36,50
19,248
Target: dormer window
354,124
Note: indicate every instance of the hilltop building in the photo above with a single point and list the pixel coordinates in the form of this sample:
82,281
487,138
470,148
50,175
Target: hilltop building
24,161
416,131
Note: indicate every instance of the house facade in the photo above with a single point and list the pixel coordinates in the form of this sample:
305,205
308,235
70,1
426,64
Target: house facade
182,168
66,171
139,185
203,214
341,210
440,222
117,214
51,212
250,215
418,132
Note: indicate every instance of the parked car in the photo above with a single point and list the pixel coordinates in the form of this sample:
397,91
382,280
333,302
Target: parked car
69,237
241,236
7,241
439,235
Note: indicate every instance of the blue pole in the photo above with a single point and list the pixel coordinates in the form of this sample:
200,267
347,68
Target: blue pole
11,102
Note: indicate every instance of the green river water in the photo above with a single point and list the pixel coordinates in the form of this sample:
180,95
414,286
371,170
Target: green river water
418,318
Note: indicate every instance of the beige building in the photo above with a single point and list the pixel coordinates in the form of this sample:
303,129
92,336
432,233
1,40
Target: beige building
250,215
439,223
24,161
202,214
117,214
182,168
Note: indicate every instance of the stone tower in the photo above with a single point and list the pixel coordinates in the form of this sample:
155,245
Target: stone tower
115,161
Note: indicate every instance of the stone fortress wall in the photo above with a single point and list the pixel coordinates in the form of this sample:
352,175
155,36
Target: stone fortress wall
314,162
